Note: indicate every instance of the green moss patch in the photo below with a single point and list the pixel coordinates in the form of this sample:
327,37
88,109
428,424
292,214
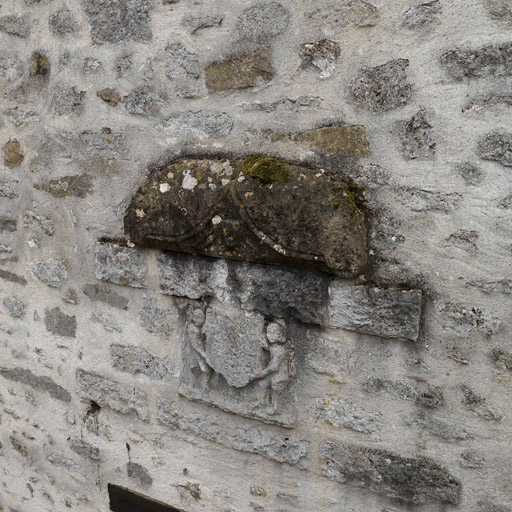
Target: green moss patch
267,169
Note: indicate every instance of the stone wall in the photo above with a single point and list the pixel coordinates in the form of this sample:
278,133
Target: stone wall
377,381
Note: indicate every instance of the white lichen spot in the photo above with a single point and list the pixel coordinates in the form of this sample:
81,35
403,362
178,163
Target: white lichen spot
216,220
279,249
241,178
170,175
189,182
212,186
140,213
248,194
164,187
225,182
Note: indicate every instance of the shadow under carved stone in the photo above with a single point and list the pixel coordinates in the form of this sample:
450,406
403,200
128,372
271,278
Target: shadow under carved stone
258,209
416,480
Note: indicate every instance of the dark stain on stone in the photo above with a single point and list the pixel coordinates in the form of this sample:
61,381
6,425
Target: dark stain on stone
274,212
40,65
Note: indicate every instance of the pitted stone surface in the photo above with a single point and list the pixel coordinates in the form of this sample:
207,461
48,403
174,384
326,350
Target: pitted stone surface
416,480
240,209
391,313
120,265
135,360
119,397
384,87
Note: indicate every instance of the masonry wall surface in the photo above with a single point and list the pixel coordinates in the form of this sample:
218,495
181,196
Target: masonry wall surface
386,389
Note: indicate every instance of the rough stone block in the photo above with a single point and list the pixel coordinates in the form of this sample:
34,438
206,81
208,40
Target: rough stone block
157,319
98,293
51,272
59,323
439,428
422,14
232,361
15,306
281,448
37,382
115,21
321,55
195,23
349,140
479,405
493,60
68,186
418,137
240,71
390,313
262,22
500,10
120,265
416,480
15,25
344,13
69,466
201,125
108,393
13,156
384,87
497,146
139,473
249,210
136,360
85,450
342,414
423,393
427,200
62,23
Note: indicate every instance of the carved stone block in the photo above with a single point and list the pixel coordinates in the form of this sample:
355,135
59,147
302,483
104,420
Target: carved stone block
239,362
258,209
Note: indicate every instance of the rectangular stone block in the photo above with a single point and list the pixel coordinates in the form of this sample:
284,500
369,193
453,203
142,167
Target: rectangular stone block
415,480
107,393
135,360
120,265
390,313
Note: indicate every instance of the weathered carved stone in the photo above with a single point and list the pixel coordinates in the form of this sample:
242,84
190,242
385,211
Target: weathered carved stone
239,362
258,209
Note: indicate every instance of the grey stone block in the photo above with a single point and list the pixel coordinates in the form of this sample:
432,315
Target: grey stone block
69,466
120,265
85,450
342,414
416,480
15,25
115,21
59,323
493,60
51,272
390,313
15,307
107,393
262,22
422,13
136,360
497,146
203,124
139,473
42,383
384,87
98,293
344,13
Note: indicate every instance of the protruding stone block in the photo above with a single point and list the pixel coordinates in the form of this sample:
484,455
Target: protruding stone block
258,209
416,480
390,313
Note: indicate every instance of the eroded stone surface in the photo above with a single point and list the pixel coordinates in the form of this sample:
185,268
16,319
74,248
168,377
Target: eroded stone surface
120,265
382,88
422,14
15,25
418,137
263,22
240,209
68,186
416,480
114,21
108,393
500,10
487,61
98,293
496,146
51,271
391,313
202,124
345,13
230,360
134,360
321,55
240,71
349,140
